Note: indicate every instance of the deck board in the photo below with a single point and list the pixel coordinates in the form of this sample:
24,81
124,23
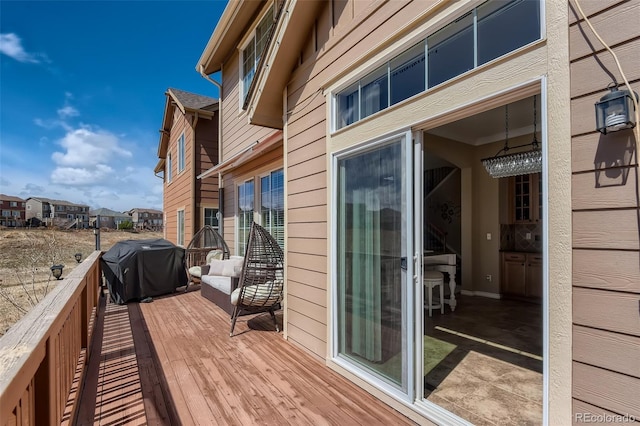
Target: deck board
172,362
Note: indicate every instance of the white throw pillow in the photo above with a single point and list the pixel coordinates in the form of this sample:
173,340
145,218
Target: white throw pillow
214,254
226,267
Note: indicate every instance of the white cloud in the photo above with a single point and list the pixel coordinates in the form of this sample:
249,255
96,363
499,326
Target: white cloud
68,111
51,124
11,45
85,147
82,176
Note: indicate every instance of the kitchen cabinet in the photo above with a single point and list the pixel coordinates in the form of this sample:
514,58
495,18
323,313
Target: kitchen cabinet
521,275
525,198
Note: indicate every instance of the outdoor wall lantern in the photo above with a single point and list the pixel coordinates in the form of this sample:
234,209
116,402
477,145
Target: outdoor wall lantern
56,270
615,110
78,257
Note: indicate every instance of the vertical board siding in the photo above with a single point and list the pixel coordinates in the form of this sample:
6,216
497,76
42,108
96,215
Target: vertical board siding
606,244
178,193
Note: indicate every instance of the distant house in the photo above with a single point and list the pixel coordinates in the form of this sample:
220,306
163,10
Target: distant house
57,212
108,218
188,146
150,219
12,211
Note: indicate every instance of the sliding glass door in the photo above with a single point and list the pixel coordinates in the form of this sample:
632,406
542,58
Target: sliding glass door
373,264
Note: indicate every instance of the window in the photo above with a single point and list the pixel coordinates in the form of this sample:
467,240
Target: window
6,213
16,213
168,171
272,205
211,217
451,50
245,214
253,50
13,204
181,153
487,32
180,227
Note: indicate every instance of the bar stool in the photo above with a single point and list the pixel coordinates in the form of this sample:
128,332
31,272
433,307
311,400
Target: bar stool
434,279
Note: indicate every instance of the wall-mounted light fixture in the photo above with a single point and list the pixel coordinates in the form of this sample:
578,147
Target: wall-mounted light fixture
615,110
56,271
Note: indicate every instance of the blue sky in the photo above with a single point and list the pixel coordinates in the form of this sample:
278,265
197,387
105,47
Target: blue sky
82,94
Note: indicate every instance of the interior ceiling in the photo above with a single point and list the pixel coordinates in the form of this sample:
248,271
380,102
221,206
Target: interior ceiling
489,126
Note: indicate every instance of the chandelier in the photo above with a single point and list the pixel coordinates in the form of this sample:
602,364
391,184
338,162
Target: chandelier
518,163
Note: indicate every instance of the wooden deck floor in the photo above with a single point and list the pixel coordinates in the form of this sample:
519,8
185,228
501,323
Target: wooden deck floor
172,362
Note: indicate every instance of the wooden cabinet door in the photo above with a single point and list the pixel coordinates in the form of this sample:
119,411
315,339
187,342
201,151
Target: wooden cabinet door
514,278
534,276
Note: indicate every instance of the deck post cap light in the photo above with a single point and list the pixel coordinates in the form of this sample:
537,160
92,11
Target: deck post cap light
615,110
78,257
56,270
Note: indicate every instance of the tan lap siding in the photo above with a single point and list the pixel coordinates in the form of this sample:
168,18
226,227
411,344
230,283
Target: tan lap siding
307,192
178,193
606,217
238,133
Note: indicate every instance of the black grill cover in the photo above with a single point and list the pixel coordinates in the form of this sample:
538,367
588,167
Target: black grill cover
137,269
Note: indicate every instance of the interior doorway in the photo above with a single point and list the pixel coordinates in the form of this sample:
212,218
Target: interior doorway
482,339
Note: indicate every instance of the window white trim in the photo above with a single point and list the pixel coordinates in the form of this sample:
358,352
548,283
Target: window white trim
383,59
250,38
168,166
180,227
217,215
181,153
240,244
258,201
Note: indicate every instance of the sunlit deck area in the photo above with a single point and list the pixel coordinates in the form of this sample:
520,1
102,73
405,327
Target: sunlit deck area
77,358
172,361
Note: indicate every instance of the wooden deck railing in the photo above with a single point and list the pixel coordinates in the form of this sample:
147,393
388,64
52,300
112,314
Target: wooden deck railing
43,356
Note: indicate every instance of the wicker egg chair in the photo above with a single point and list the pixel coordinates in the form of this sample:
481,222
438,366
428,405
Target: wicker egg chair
204,242
261,284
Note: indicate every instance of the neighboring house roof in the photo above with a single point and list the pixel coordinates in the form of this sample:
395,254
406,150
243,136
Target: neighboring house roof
192,100
187,102
4,197
108,212
56,202
145,211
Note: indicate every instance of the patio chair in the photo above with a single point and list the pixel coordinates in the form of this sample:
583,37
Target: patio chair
261,284
205,245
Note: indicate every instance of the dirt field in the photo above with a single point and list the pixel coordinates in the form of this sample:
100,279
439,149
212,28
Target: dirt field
26,256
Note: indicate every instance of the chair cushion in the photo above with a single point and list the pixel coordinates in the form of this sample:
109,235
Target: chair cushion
222,284
259,294
195,271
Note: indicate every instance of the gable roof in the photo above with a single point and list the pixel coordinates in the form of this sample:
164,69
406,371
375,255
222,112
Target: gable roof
187,102
190,100
56,202
4,197
107,212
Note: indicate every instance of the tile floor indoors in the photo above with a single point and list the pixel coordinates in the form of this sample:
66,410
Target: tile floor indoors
482,379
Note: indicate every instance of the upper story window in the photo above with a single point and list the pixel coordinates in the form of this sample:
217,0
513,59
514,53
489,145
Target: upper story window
168,166
181,153
487,32
13,203
252,51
